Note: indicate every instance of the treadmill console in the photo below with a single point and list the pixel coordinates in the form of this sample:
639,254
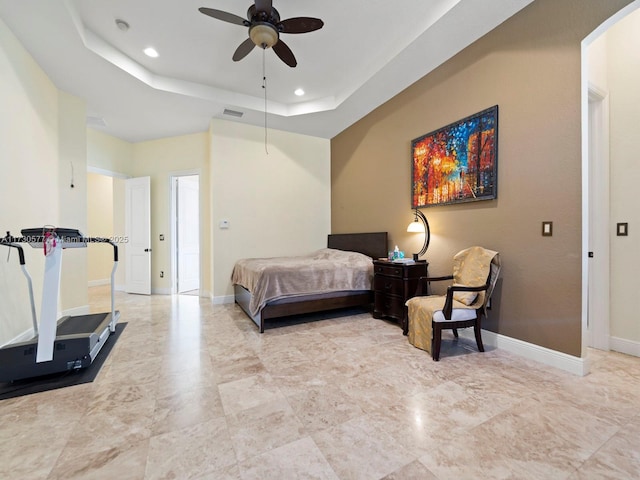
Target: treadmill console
70,237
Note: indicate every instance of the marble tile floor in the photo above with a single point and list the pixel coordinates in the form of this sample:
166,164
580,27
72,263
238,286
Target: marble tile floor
193,391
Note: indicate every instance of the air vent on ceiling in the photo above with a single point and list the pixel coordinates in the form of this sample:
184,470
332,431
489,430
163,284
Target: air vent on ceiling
232,113
95,121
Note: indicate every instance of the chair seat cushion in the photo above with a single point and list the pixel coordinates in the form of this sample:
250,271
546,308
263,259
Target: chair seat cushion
457,315
435,304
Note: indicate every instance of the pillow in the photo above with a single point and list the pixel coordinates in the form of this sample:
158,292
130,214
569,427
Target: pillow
464,297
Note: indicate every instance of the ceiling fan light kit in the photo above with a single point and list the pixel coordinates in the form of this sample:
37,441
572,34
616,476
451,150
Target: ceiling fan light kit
265,28
263,35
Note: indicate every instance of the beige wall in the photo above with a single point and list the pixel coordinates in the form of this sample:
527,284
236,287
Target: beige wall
276,203
160,159
119,231
529,66
597,63
108,153
283,197
113,158
41,133
100,204
28,144
72,150
623,76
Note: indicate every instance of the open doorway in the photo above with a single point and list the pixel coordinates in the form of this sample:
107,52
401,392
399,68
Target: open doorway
610,173
186,233
106,199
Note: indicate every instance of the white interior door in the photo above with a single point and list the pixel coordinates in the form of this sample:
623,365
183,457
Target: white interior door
138,231
188,232
598,311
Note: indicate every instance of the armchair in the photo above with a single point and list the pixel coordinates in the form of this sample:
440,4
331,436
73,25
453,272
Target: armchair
475,273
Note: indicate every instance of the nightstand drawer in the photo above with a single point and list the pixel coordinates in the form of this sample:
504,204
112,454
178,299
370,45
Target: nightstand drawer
388,285
390,270
389,305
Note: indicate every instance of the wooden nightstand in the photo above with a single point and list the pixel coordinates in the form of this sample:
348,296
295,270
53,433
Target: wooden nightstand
393,285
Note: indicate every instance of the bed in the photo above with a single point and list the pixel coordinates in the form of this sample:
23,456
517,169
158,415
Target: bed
346,283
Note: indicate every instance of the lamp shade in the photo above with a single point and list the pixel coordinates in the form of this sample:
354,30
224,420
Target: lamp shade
415,227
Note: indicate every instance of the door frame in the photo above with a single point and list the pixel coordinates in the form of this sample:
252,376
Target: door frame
173,214
598,311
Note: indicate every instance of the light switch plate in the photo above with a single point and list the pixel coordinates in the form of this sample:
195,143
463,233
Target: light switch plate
547,229
622,229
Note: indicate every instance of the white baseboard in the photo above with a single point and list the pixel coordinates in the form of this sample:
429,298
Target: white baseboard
205,294
97,283
161,291
624,346
120,288
569,363
223,299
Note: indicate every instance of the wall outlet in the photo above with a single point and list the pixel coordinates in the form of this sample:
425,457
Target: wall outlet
161,274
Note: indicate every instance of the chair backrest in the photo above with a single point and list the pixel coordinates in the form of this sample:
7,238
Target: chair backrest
494,272
475,267
492,280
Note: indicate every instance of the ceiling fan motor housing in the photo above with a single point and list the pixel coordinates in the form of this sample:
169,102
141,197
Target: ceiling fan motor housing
263,31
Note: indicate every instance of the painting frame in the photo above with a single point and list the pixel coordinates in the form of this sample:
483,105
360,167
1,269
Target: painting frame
457,163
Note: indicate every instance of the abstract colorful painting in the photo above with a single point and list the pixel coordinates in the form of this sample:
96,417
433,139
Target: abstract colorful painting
456,163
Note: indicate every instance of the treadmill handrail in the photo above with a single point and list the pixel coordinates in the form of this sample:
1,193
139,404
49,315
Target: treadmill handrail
7,241
103,240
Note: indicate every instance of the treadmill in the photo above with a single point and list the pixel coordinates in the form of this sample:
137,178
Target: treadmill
66,344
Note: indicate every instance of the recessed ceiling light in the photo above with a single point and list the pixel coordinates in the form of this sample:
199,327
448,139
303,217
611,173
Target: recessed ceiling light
299,92
150,52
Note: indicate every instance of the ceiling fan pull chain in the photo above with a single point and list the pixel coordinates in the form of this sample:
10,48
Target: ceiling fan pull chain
264,86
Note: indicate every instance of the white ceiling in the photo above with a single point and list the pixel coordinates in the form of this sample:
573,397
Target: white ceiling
367,52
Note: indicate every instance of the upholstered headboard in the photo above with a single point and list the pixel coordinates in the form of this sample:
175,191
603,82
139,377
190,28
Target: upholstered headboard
371,244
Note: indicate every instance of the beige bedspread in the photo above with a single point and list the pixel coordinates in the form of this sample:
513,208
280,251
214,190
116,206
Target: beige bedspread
326,270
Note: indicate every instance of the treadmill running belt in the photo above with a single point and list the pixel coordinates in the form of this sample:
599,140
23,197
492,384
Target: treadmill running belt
80,324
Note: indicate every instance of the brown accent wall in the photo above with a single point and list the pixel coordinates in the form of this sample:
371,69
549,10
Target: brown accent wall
530,67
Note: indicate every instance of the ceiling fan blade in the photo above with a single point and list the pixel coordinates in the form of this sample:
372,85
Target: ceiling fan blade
243,50
300,25
264,6
285,53
224,16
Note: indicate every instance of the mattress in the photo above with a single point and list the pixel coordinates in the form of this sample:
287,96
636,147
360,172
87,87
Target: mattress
326,270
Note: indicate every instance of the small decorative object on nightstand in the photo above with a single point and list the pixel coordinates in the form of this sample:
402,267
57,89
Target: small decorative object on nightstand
393,285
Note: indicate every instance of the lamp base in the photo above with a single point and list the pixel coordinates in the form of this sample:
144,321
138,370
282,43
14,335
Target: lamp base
415,257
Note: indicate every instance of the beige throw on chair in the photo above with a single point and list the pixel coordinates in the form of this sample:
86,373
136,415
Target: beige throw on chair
471,267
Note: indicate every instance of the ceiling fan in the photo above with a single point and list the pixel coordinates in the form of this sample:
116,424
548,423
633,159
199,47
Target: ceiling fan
265,28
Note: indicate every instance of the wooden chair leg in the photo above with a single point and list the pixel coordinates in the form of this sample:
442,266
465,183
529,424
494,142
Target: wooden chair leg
476,330
437,340
455,332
